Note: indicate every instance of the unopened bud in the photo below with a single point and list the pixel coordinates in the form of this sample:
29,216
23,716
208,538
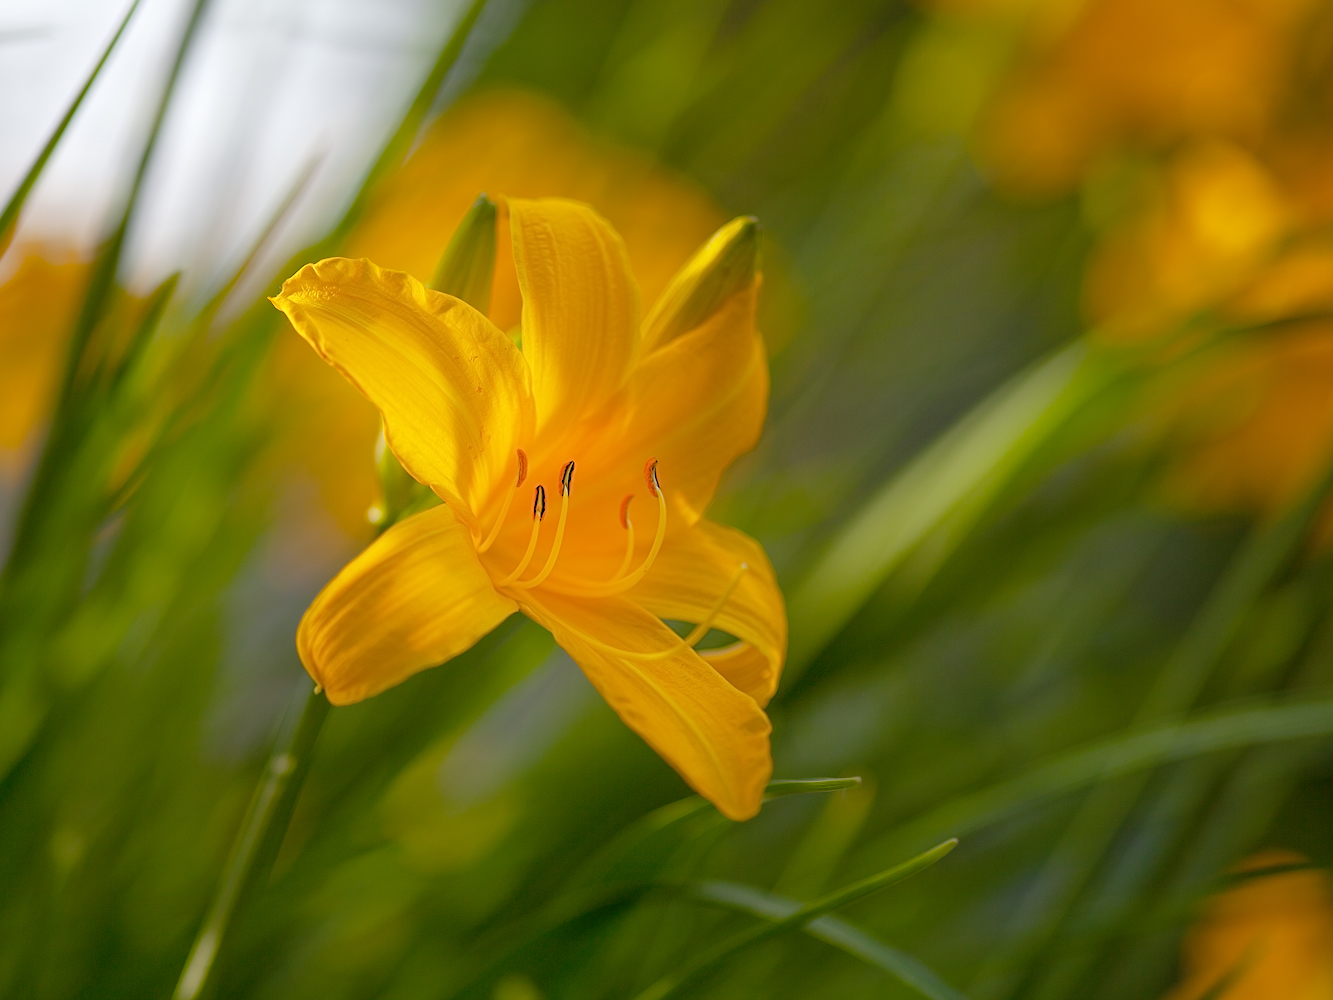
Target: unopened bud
726,264
468,264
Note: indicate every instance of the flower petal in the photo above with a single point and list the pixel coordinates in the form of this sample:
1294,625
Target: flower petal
712,734
693,571
452,388
580,306
699,402
415,598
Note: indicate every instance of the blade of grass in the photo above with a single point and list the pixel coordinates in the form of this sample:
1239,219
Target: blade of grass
807,786
28,609
1176,687
629,866
693,970
254,847
831,930
1121,755
400,143
956,475
1250,797
10,216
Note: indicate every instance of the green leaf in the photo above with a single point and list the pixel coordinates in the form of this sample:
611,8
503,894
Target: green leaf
9,217
831,930
673,984
807,786
1125,754
952,480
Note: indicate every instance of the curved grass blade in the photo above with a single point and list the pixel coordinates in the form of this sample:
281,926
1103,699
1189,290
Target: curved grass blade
22,696
831,930
624,870
10,215
1121,755
672,985
396,149
1176,687
807,786
256,846
952,479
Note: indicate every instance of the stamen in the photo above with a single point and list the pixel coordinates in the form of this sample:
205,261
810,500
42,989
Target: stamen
566,483
621,582
628,525
504,508
538,512
697,633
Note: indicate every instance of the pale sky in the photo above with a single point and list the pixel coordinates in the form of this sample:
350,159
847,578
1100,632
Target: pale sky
271,85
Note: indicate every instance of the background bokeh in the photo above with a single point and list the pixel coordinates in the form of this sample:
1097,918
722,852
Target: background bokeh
1047,301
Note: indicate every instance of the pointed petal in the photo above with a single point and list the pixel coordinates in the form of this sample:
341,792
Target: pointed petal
699,402
453,389
692,573
415,598
712,734
580,306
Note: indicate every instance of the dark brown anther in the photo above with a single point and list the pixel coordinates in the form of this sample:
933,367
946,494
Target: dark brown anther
566,478
539,503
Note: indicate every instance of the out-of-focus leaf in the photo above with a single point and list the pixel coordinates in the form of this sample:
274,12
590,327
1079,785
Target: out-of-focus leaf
950,481
10,215
703,963
1125,754
831,930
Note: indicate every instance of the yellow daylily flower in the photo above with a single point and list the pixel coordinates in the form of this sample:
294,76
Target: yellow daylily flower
552,459
514,141
1270,938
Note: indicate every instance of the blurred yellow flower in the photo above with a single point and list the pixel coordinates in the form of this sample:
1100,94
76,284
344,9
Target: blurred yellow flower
511,141
596,408
1137,73
1215,216
37,306
1270,938
1202,151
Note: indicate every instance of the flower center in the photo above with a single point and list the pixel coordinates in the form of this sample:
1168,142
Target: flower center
623,578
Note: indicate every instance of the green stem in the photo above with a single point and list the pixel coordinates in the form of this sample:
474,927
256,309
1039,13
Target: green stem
672,985
257,843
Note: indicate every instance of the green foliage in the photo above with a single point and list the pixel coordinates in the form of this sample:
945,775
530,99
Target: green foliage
994,623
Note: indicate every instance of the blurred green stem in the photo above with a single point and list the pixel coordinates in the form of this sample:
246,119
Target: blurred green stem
257,843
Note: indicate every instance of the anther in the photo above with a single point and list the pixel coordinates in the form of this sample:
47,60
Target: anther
622,581
522,468
566,483
538,512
